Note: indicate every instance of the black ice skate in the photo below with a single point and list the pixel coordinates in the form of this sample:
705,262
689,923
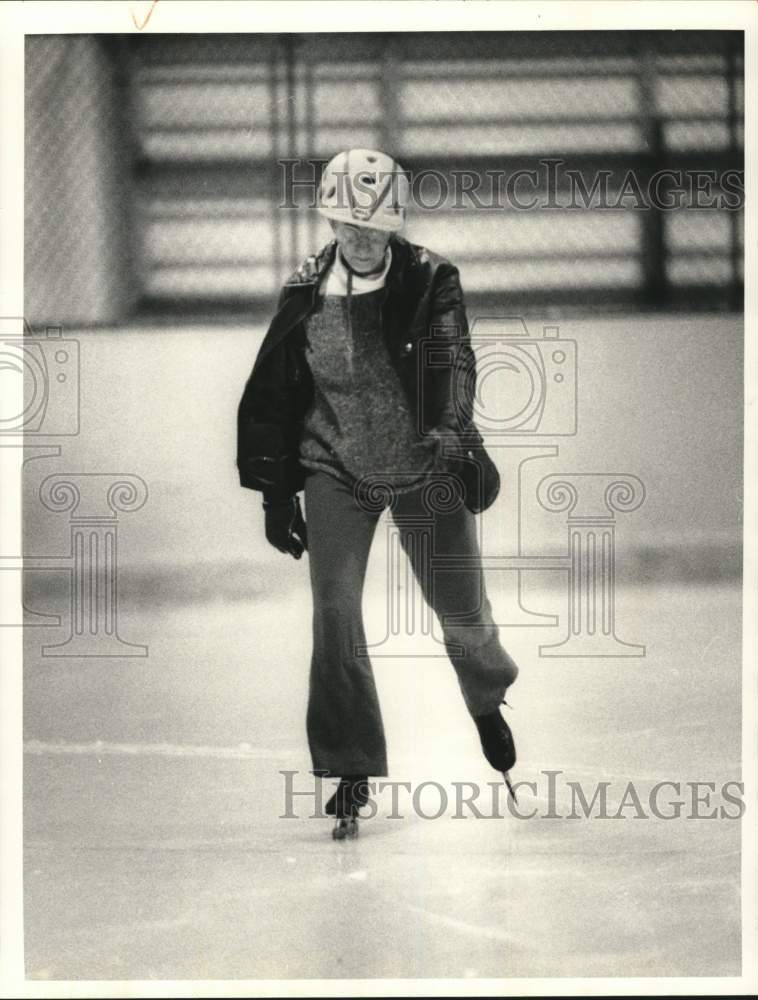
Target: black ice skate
346,828
497,744
351,794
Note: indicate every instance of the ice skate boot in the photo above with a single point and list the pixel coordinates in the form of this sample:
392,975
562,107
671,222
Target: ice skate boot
345,828
497,743
351,794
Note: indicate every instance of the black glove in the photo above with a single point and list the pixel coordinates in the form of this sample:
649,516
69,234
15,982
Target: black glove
476,469
285,526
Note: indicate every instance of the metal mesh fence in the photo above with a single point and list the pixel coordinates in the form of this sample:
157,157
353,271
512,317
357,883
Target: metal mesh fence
212,121
78,246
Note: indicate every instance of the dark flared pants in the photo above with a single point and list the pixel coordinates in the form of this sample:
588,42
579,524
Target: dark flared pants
345,730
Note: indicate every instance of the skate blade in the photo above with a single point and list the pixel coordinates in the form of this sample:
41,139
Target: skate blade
345,829
509,786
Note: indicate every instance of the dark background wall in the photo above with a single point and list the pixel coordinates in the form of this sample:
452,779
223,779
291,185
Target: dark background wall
154,182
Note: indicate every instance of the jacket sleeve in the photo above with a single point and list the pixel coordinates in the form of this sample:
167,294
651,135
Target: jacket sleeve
456,393
455,378
267,438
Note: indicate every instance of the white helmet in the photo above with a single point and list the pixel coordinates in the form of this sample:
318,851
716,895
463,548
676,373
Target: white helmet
364,188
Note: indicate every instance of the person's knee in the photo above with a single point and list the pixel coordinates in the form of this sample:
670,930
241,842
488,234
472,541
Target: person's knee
336,600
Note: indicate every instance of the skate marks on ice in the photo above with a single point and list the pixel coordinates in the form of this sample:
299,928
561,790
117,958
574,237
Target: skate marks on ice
171,862
182,869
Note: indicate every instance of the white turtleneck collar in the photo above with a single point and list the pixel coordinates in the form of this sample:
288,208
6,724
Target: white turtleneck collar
336,281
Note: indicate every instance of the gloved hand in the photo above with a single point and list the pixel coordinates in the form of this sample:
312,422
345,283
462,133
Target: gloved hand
472,463
285,526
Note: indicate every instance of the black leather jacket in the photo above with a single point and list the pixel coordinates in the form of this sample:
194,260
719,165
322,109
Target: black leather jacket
426,333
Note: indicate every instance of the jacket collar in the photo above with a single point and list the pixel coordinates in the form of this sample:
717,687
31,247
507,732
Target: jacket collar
324,259
311,274
400,259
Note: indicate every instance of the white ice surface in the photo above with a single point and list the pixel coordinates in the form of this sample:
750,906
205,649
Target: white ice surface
148,856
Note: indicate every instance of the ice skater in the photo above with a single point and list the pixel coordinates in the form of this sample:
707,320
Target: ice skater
343,405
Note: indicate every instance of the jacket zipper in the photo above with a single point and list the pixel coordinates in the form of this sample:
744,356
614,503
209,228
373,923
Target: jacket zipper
350,324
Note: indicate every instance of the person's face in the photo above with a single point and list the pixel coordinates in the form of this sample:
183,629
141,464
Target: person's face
362,248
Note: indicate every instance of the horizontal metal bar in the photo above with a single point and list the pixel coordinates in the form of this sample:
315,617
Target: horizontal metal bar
36,562
250,171
544,303
434,45
178,264
714,250
160,76
581,72
467,121
155,218
569,119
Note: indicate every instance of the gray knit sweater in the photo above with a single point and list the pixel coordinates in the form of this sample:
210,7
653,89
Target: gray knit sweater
360,423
